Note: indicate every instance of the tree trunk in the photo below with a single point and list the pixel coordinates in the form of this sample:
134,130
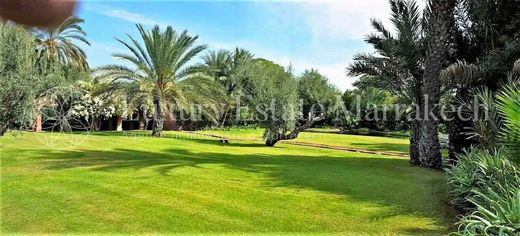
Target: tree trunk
142,119
440,24
96,124
119,123
415,135
4,128
225,115
158,119
294,134
414,143
459,140
38,123
271,143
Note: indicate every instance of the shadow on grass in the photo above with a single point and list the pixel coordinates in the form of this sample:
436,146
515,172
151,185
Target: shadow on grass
394,147
181,136
389,182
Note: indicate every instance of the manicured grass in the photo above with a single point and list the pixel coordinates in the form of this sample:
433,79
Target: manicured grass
115,183
371,143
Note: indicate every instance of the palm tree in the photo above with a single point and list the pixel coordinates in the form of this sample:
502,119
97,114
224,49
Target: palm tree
460,80
440,23
227,68
59,44
161,64
397,65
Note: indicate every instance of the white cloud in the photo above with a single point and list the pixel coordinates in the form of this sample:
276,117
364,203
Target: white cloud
330,21
130,17
100,53
336,73
342,19
125,15
338,19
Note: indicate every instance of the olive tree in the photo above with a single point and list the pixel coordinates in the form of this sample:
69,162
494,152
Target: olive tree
17,76
274,93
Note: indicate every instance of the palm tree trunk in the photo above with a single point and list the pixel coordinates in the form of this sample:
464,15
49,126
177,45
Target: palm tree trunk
158,119
459,140
414,143
38,122
142,119
440,24
415,134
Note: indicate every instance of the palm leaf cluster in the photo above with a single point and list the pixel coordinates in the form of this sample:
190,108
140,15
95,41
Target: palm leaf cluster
60,44
227,68
396,65
159,64
509,106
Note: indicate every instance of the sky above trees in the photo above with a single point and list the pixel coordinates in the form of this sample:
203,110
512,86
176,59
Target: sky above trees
313,34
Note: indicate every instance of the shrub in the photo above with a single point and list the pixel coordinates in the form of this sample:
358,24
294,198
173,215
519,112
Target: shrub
476,171
486,185
509,106
497,213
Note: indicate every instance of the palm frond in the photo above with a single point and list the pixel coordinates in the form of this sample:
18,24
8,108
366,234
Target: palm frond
461,73
509,106
60,43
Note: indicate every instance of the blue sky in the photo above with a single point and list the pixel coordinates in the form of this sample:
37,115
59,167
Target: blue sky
323,35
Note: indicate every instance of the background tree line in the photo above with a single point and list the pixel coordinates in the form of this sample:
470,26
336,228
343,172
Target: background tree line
159,81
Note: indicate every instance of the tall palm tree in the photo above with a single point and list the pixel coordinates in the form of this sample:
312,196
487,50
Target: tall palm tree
161,64
397,65
60,43
440,23
227,68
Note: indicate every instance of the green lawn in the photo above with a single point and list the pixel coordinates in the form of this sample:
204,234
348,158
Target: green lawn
115,183
371,143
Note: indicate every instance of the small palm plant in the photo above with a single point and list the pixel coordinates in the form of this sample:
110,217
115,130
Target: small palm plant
160,64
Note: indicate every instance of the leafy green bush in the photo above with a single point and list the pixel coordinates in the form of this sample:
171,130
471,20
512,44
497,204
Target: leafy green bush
497,213
487,184
478,170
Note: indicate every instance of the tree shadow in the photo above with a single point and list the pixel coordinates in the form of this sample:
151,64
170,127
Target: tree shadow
181,136
375,180
394,147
